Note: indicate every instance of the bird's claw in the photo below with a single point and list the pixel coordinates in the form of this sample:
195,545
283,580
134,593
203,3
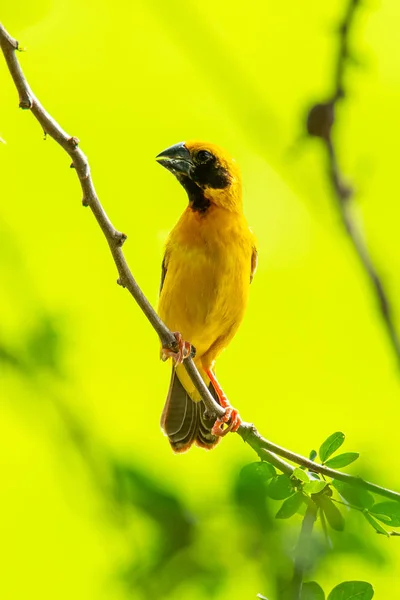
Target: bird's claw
184,350
231,419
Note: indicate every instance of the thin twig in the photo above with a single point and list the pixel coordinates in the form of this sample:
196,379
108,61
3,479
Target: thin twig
265,449
115,239
320,122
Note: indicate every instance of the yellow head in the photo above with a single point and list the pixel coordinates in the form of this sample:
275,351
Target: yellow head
209,175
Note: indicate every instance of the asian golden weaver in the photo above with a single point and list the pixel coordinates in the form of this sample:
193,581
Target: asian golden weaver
210,260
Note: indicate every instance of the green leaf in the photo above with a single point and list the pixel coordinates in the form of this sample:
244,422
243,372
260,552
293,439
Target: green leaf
330,445
313,455
312,591
290,506
377,526
280,487
332,513
301,475
352,590
387,512
314,487
258,470
342,460
384,518
353,494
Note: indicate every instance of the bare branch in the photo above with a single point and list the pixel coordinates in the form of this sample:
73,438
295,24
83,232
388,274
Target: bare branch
265,449
320,122
115,239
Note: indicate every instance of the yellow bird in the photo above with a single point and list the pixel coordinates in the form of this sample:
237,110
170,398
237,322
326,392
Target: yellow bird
210,260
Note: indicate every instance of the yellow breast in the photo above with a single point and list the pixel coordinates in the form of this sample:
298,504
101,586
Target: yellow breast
208,264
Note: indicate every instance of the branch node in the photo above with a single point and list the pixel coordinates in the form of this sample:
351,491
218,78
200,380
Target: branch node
13,43
120,238
85,202
320,120
73,142
248,430
72,166
26,103
208,414
120,282
346,191
17,47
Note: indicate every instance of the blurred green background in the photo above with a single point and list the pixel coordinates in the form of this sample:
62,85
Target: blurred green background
93,503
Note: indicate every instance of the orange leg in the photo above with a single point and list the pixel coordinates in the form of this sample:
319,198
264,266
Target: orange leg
231,417
184,350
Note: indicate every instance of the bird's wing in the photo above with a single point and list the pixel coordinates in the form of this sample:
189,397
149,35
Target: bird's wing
163,270
254,262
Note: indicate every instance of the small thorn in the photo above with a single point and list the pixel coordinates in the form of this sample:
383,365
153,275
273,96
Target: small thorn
72,166
73,141
45,135
120,237
119,282
85,202
20,48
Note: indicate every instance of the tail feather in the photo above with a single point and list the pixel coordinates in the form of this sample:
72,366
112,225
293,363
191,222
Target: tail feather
183,420
205,439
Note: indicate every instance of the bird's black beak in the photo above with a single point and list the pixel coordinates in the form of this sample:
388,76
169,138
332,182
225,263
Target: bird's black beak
176,159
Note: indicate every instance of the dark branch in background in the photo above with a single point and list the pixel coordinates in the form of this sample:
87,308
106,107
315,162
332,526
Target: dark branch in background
302,553
266,450
320,122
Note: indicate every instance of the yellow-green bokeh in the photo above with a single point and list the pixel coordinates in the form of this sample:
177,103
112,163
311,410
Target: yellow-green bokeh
312,357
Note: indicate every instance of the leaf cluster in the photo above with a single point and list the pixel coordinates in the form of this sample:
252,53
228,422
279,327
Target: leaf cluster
330,499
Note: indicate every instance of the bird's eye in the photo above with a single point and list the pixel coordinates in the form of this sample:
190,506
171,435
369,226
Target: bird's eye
203,156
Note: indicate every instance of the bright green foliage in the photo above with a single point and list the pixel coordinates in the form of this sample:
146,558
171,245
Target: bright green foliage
251,492
311,590
330,445
352,590
332,513
377,526
301,475
387,512
290,506
342,460
314,487
354,495
258,470
280,487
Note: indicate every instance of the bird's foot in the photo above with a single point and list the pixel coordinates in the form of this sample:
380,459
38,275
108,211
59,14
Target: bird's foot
231,419
184,350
